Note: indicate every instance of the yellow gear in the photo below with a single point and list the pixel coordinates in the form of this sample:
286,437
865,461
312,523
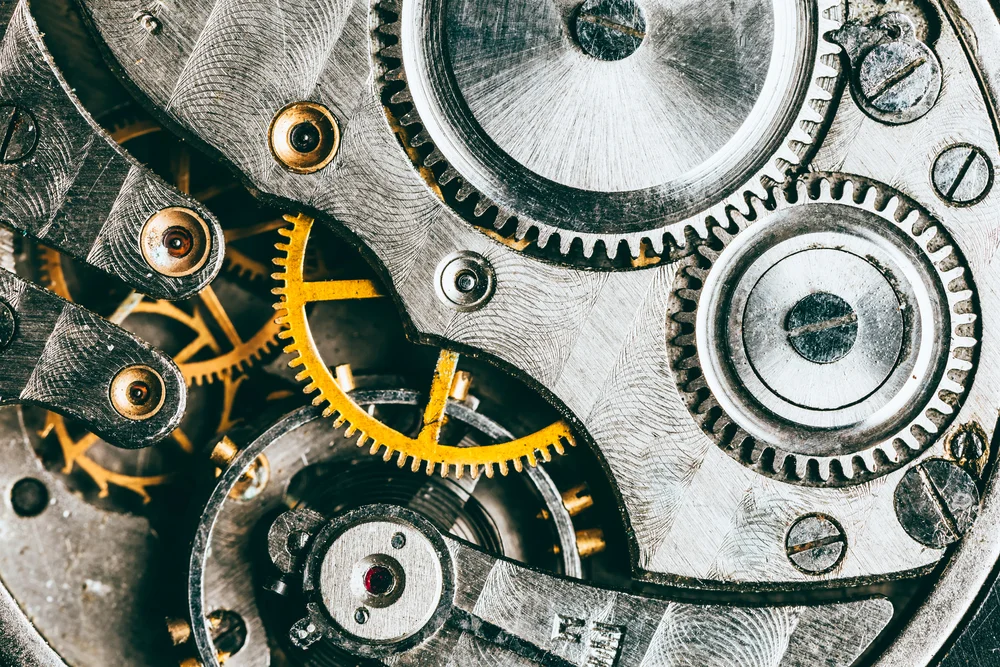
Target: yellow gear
296,293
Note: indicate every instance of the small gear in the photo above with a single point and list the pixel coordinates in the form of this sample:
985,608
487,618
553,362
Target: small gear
296,293
630,142
212,365
83,450
830,338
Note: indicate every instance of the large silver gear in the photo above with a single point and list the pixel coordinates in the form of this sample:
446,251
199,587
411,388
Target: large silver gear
829,339
608,164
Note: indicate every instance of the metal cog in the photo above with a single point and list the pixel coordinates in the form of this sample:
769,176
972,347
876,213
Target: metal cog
296,293
242,355
542,224
723,273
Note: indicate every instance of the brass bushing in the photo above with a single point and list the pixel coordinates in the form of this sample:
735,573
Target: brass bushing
137,392
175,242
304,137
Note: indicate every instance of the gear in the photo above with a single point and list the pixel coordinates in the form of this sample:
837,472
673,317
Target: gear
242,355
607,174
296,293
84,450
829,339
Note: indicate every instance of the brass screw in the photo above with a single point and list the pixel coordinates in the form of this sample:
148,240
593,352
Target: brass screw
577,499
304,137
137,392
224,452
460,386
345,378
175,242
179,630
590,541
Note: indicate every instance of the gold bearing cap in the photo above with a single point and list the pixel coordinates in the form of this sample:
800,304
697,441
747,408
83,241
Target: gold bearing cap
175,242
137,392
304,137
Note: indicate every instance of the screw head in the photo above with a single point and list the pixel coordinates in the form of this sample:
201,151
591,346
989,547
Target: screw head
20,134
361,615
815,544
822,328
609,29
962,175
8,325
936,502
398,541
29,497
464,281
967,443
899,81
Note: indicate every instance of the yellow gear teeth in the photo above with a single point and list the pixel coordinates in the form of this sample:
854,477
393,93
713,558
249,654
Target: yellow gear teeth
295,293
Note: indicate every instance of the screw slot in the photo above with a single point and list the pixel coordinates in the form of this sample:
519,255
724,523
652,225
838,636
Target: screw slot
137,392
962,175
815,544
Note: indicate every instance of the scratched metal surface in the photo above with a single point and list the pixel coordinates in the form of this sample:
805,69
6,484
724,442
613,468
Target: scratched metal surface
78,191
80,574
589,626
63,358
599,343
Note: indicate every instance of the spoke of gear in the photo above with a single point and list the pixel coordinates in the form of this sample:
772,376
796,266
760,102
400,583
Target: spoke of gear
568,193
75,451
296,293
778,424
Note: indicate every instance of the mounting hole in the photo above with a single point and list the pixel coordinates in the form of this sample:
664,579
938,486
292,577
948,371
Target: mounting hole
175,242
137,392
304,137
228,630
29,497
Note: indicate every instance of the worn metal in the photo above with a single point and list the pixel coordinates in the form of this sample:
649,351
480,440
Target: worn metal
962,175
296,442
896,78
527,615
936,502
816,544
609,29
68,184
64,358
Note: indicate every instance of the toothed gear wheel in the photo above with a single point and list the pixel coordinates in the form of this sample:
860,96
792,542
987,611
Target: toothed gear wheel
606,156
425,450
828,338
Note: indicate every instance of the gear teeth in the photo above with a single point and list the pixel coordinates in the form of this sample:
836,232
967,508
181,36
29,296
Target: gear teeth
667,242
884,456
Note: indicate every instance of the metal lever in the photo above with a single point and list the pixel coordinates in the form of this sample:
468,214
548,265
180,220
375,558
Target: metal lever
65,182
382,582
58,355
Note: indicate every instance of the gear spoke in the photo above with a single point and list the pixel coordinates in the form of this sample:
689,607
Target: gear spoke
437,397
296,293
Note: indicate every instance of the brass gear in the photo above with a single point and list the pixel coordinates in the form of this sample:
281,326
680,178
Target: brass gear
221,366
242,355
296,293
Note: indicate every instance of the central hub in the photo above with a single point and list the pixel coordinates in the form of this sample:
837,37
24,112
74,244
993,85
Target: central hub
609,29
822,328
